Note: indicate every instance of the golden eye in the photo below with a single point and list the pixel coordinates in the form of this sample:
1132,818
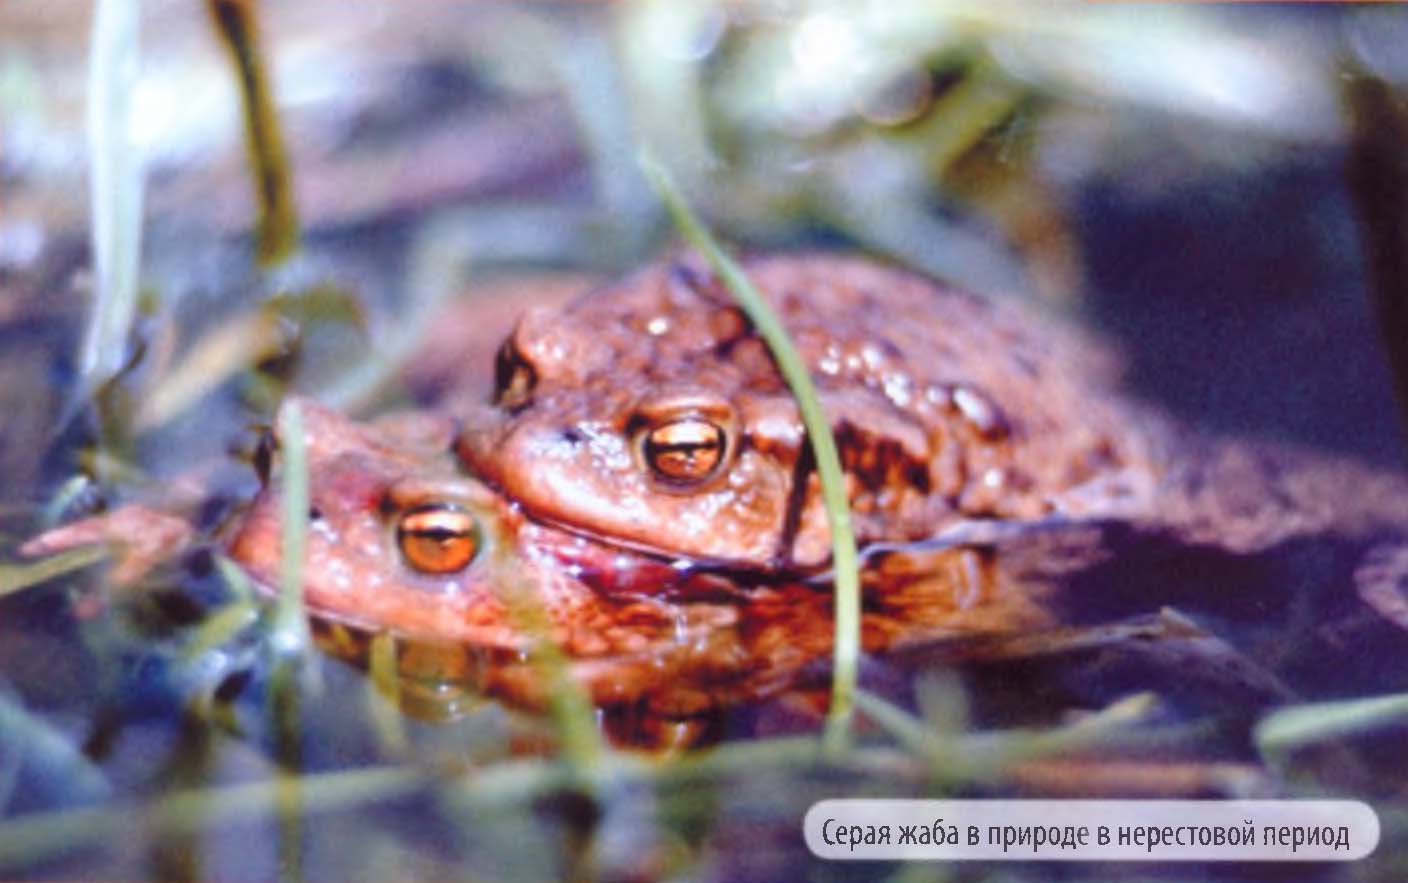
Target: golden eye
438,538
514,378
684,451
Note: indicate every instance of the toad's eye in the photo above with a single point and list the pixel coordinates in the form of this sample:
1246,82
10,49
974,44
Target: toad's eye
438,538
514,378
686,450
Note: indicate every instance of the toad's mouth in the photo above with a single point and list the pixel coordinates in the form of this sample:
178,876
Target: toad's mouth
620,570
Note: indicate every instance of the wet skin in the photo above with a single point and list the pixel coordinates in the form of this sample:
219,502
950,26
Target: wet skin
948,410
641,479
649,414
638,629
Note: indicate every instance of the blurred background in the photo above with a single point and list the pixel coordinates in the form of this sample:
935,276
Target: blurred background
203,205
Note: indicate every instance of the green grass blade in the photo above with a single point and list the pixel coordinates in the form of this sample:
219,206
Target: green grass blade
115,187
16,577
221,627
1299,725
828,461
568,705
383,695
27,838
240,586
289,640
910,731
290,628
276,231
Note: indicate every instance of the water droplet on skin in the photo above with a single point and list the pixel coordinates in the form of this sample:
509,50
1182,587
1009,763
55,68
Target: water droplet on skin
978,410
897,389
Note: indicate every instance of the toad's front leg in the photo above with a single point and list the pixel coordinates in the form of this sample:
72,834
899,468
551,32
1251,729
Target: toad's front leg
139,539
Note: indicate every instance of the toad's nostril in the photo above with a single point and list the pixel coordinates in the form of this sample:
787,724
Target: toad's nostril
514,378
572,436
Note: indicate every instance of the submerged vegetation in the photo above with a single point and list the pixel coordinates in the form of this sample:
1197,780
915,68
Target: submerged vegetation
182,727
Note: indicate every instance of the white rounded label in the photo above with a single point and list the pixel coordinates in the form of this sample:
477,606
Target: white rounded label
1092,830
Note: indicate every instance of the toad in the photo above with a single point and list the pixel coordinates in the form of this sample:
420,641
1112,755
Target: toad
648,414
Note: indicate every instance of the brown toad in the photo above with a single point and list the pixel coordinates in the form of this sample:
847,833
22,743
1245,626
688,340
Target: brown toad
649,414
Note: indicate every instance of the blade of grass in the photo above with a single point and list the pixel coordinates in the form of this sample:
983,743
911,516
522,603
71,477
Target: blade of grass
985,755
67,494
941,749
963,115
1299,725
276,231
289,640
115,188
384,695
113,466
235,579
289,629
828,462
569,707
220,627
33,836
218,356
16,577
